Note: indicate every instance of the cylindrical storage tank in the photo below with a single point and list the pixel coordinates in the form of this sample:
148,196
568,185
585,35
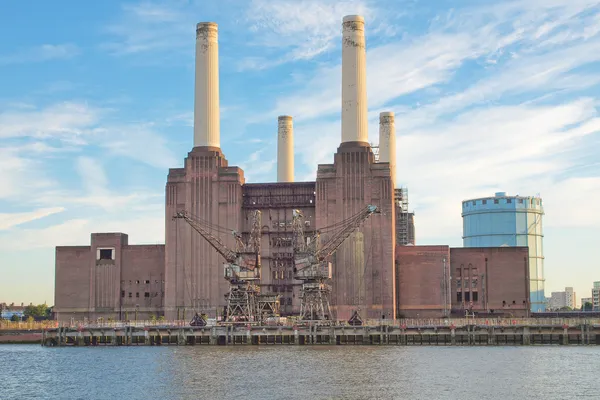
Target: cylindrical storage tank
511,221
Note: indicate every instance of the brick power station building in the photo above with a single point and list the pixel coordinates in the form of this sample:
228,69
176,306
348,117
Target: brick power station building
377,270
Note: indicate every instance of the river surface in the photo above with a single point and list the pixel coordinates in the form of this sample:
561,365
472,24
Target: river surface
299,372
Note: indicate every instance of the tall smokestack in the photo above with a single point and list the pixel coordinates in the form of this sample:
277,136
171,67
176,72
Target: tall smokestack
206,97
354,80
285,149
387,142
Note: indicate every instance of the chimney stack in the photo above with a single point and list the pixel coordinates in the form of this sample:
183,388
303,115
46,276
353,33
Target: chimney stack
206,96
285,149
354,80
387,142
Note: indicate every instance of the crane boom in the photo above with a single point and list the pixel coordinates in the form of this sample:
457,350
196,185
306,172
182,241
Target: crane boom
353,223
229,255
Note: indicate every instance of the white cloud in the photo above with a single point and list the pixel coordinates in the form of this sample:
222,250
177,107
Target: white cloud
145,228
67,119
303,29
41,53
10,220
79,124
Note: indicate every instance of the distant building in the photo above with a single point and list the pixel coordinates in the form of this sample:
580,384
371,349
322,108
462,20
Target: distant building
567,298
8,310
438,281
596,296
509,221
585,300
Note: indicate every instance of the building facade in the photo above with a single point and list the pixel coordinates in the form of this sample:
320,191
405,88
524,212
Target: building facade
438,281
584,301
509,221
566,298
596,296
109,279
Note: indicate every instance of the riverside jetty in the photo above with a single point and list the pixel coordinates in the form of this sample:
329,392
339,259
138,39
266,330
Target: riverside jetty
455,332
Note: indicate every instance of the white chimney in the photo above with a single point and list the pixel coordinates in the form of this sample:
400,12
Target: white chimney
285,149
206,96
354,80
387,142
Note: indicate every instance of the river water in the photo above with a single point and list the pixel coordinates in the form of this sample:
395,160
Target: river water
299,372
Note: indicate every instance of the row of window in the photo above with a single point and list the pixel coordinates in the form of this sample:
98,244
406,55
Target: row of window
146,294
279,275
534,202
469,296
282,255
473,283
283,224
142,282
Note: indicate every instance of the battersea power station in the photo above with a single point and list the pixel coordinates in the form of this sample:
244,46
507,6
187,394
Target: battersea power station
369,264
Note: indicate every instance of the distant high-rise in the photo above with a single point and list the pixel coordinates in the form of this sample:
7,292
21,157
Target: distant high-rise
509,221
596,296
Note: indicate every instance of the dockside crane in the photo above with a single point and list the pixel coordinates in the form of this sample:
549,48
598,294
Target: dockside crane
241,270
311,265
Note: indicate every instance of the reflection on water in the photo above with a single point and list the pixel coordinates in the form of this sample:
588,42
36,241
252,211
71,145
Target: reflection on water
290,372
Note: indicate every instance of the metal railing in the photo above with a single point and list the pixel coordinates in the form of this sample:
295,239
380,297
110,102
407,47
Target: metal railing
399,323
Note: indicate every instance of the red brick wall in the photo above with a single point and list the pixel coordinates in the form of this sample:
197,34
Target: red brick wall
502,274
72,279
420,281
211,190
363,266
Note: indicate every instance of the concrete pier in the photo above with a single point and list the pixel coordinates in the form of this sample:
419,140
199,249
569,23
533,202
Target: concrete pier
585,333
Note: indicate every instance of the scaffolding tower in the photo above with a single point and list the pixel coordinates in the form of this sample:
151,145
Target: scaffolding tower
404,219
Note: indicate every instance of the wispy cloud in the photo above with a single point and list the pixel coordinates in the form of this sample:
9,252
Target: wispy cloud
46,52
79,124
9,220
303,29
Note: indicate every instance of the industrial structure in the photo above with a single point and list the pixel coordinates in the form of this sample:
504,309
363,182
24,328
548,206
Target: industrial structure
502,221
306,249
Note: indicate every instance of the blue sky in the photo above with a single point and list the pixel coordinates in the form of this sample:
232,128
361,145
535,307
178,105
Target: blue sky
96,103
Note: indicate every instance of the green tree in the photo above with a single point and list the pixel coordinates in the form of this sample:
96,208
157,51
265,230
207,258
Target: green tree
565,309
15,318
587,306
41,311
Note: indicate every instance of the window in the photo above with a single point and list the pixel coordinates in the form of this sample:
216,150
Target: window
467,296
496,201
106,254
474,202
147,294
289,274
122,293
137,294
147,282
508,201
138,282
475,296
459,297
520,201
156,281
458,284
483,201
474,283
129,294
274,275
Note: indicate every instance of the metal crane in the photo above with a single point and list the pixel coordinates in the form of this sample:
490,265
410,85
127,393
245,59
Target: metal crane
241,270
310,265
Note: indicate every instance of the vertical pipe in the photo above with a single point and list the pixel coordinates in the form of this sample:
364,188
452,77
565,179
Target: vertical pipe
285,149
206,96
387,142
354,80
